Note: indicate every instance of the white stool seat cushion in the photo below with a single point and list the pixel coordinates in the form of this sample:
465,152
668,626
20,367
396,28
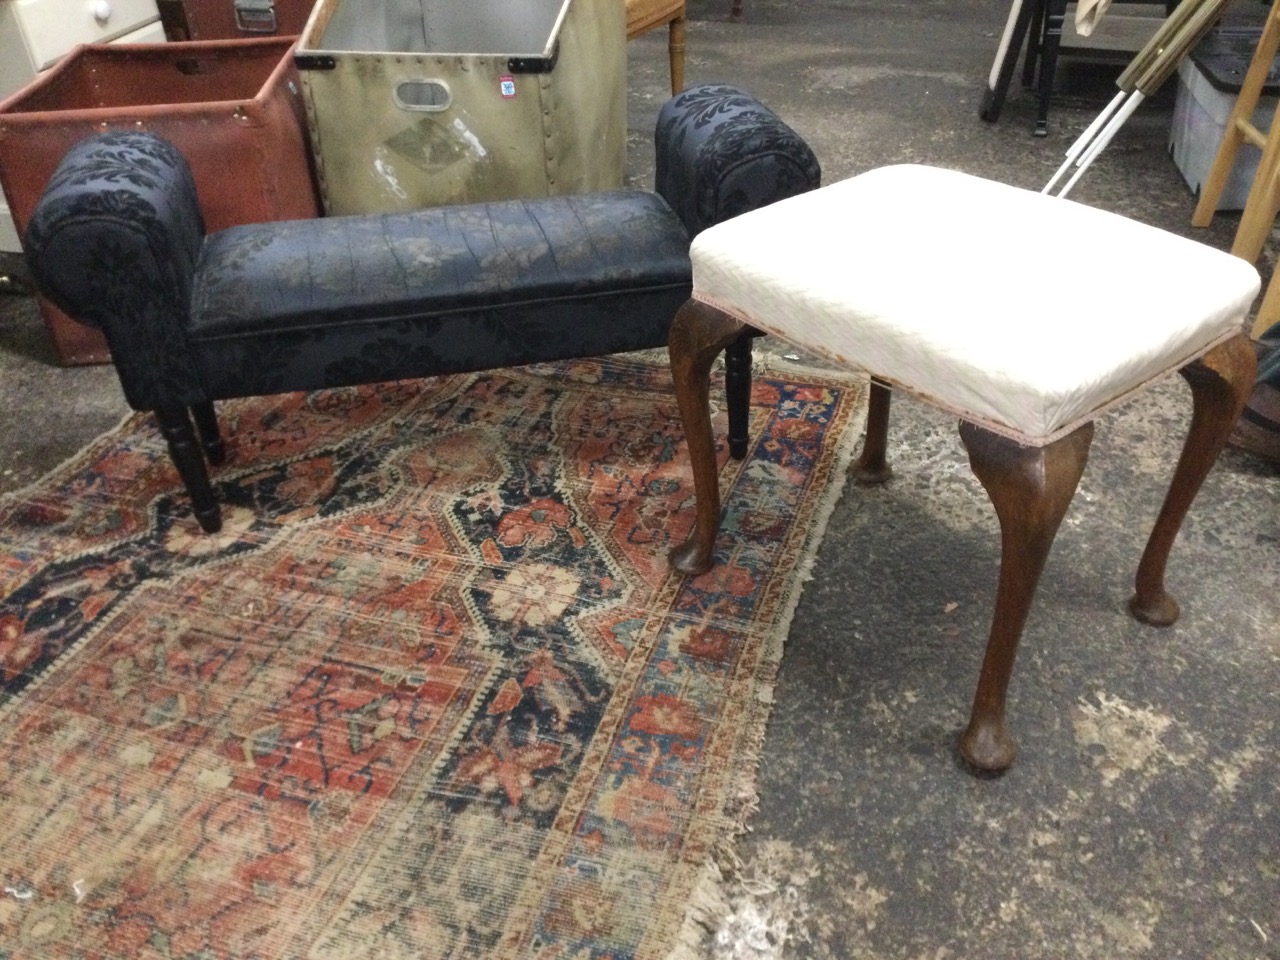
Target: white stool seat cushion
1021,312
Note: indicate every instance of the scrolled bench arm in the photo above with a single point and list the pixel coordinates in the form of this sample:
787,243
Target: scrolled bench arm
720,152
114,243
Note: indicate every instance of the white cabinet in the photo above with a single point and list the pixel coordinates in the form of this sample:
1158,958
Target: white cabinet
35,33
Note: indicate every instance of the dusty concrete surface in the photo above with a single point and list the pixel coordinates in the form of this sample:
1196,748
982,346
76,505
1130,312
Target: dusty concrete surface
1142,817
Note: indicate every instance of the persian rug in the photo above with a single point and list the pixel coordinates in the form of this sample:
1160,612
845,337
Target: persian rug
432,692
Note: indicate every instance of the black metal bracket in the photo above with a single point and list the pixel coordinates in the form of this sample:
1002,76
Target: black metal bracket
314,61
535,64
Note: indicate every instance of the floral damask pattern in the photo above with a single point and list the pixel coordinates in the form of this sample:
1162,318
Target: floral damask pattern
721,152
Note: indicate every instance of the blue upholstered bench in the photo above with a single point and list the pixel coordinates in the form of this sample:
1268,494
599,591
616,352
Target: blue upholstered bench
117,242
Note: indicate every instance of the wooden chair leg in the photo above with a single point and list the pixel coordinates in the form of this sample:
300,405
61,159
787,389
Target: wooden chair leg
1016,27
871,465
210,436
1035,44
1269,310
1054,15
175,426
737,389
1221,382
735,13
1031,488
698,334
675,50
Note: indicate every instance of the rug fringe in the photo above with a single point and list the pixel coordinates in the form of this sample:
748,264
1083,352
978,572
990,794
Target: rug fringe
709,903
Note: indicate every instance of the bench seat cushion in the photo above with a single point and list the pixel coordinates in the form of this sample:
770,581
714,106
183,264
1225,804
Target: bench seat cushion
346,300
1021,312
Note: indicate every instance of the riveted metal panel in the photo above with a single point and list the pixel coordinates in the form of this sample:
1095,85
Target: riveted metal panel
414,104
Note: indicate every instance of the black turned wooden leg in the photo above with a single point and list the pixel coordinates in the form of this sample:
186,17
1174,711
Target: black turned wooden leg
210,437
1220,385
175,426
1031,488
737,389
698,334
871,466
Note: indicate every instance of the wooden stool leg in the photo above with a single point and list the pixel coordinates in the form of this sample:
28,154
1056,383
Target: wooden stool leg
175,426
675,51
698,334
1031,488
1220,385
871,465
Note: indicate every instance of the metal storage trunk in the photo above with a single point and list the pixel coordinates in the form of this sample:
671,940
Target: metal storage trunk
232,107
416,103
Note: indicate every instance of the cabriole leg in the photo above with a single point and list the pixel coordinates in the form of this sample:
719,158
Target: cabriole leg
698,334
1031,488
1220,384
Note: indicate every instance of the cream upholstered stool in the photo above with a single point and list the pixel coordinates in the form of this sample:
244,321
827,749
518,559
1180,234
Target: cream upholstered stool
932,281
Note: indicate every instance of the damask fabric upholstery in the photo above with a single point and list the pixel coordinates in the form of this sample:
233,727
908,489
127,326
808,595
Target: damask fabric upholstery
1014,310
114,243
349,300
308,304
721,152
273,308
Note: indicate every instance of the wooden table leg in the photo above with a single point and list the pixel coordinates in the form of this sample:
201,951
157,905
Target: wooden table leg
1220,385
698,333
1031,488
871,465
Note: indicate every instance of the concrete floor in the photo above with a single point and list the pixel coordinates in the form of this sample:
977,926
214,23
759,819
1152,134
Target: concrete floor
1142,817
